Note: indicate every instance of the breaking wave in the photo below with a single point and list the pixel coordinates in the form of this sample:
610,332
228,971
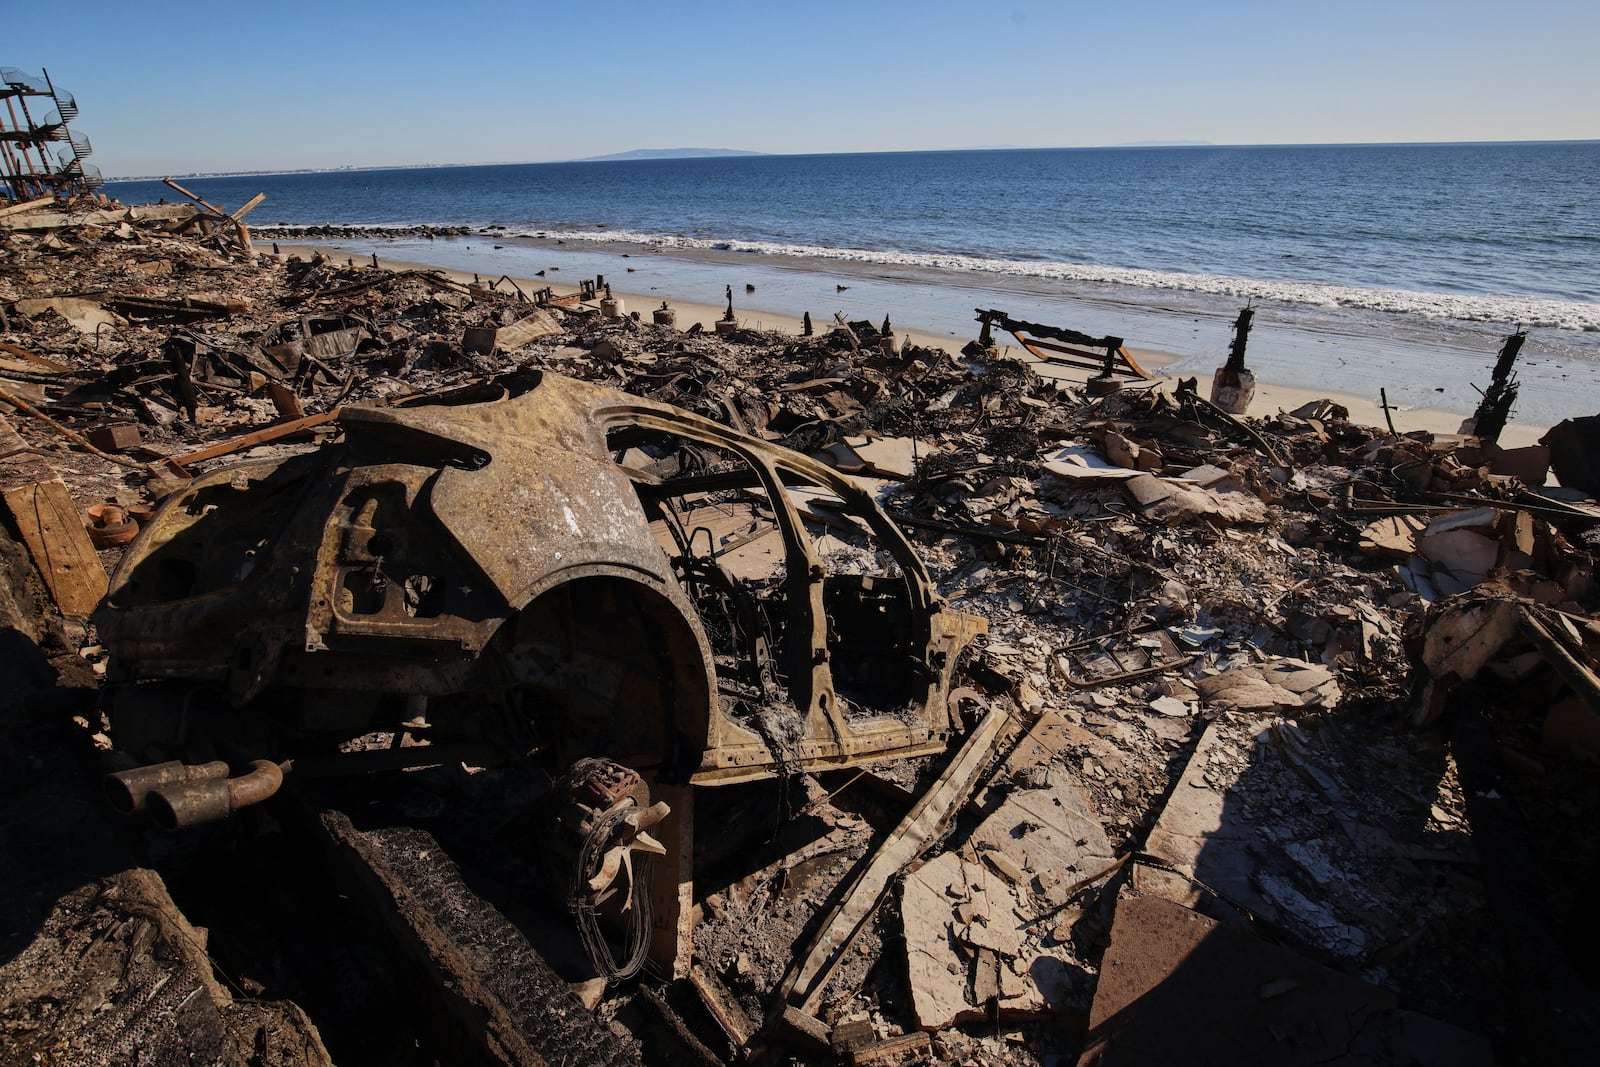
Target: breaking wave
1535,312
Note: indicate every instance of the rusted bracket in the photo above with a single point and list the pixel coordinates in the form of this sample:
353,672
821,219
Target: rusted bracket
214,209
511,282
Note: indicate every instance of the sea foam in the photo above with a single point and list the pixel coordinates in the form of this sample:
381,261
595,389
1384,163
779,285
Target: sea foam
1532,312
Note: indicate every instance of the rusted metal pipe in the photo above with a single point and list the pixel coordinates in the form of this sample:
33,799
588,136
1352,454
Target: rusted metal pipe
191,803
128,790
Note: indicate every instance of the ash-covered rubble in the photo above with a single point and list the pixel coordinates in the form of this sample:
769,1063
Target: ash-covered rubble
1280,746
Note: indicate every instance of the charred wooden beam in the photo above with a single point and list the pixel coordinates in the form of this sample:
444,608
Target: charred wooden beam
1494,410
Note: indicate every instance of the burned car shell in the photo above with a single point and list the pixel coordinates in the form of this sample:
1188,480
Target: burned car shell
480,559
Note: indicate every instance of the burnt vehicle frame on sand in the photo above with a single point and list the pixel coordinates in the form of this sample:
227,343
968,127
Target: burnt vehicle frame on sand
529,566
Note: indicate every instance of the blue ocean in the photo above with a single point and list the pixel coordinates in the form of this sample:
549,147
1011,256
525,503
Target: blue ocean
1437,244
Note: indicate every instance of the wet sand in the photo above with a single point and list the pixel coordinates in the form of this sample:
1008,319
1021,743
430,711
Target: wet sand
753,310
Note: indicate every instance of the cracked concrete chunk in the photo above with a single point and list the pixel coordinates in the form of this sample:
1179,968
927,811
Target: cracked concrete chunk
934,971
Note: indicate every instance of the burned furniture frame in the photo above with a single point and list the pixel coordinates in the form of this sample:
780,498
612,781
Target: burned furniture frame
1056,344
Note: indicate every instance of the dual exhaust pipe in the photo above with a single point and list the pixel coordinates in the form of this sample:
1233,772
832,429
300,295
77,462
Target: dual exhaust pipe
180,795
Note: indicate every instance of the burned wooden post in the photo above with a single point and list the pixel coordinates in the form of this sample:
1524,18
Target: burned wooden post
1494,410
1234,386
1106,381
727,324
610,306
805,325
1383,395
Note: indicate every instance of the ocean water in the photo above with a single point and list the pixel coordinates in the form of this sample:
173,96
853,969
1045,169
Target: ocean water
1448,245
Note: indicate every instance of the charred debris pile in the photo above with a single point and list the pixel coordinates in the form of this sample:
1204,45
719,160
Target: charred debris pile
519,681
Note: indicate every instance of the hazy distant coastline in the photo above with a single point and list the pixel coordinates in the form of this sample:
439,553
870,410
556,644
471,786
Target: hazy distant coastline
645,154
667,153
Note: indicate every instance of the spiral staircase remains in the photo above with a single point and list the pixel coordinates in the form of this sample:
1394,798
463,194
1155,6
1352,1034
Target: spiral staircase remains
40,155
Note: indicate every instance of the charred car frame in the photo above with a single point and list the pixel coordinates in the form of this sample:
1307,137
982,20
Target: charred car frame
530,566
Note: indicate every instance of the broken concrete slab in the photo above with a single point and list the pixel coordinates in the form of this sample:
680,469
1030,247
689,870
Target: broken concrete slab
59,220
1195,822
938,970
161,212
1481,519
1178,987
1031,854
1170,706
1083,462
1046,832
890,457
86,316
486,340
1467,554
1263,823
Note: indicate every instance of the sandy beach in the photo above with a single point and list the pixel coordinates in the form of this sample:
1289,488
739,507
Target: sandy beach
1271,395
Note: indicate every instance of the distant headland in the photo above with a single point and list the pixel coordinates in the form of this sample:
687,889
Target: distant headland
667,153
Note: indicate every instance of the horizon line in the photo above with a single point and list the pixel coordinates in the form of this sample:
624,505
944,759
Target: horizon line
747,154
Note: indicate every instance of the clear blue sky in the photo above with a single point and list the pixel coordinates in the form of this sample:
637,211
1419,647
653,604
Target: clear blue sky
172,88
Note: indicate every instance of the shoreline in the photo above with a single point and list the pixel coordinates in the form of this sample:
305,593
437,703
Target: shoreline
1273,392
